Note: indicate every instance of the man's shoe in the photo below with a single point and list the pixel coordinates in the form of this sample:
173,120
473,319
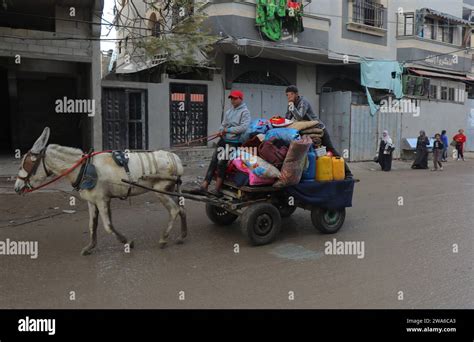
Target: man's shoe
198,191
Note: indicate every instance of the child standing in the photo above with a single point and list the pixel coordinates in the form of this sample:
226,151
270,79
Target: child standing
438,147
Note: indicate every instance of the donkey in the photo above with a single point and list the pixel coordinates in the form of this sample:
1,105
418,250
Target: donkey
159,170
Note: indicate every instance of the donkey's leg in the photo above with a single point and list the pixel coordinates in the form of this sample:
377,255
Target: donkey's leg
93,220
173,210
106,215
184,225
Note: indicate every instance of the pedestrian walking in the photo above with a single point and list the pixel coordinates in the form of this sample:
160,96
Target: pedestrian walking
460,139
438,148
385,152
421,161
444,140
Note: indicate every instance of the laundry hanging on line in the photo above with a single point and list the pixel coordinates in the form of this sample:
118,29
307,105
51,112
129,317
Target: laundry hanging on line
274,15
381,75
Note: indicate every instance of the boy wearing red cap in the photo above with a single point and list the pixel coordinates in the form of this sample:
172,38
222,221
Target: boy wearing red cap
235,123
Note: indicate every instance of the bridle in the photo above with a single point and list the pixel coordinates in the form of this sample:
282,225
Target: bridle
31,166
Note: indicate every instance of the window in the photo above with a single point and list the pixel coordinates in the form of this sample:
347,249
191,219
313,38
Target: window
451,94
120,47
154,25
445,32
433,92
444,93
406,24
368,12
40,16
429,29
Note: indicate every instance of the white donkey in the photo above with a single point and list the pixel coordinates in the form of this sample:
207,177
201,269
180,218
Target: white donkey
158,169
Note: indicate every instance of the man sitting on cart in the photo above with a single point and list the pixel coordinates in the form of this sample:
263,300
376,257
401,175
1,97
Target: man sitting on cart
299,109
235,123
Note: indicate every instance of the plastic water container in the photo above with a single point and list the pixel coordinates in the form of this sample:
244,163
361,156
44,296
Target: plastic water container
338,168
324,169
310,172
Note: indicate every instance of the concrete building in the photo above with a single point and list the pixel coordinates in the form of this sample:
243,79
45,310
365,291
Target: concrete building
49,51
322,60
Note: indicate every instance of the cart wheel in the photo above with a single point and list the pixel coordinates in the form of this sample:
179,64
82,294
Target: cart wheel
219,216
261,223
328,221
285,210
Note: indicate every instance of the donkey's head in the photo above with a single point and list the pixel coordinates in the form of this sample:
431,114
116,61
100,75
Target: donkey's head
31,173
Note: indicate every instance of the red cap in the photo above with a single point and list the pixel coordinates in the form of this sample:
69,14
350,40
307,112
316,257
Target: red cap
236,94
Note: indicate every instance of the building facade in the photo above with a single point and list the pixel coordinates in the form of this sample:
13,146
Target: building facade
49,51
322,57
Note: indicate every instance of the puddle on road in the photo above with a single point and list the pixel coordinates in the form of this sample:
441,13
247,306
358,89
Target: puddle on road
295,252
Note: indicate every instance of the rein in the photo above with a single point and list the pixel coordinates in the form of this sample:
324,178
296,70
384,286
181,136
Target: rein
186,144
85,157
68,171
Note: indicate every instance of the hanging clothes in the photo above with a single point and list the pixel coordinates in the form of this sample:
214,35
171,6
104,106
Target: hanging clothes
273,15
381,75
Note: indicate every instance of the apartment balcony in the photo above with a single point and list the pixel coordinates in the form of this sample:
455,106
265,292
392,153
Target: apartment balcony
235,22
367,16
434,39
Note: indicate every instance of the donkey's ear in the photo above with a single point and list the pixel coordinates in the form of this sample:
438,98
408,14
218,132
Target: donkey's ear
41,142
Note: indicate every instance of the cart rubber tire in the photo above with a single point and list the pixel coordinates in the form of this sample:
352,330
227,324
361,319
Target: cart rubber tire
220,216
328,221
261,223
286,210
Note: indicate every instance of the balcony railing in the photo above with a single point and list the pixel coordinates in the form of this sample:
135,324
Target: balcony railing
368,12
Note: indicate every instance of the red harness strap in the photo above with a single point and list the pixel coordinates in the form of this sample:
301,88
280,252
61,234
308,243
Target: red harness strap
68,171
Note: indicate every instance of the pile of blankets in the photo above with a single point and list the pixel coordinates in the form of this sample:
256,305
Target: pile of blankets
311,129
274,156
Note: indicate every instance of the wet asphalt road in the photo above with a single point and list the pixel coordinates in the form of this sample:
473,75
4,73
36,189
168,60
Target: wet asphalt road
408,248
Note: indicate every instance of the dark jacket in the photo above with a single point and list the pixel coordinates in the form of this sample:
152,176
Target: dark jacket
302,111
438,145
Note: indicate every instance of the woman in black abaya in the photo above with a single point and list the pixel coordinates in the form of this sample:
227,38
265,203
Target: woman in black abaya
385,152
421,161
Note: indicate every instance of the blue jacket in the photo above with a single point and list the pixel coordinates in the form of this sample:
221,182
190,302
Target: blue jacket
444,139
236,121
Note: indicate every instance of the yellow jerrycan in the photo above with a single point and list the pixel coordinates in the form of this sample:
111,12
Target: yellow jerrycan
338,172
324,169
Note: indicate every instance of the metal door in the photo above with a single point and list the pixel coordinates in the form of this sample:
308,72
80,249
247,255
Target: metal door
188,113
274,101
263,100
124,119
114,130
363,133
335,112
